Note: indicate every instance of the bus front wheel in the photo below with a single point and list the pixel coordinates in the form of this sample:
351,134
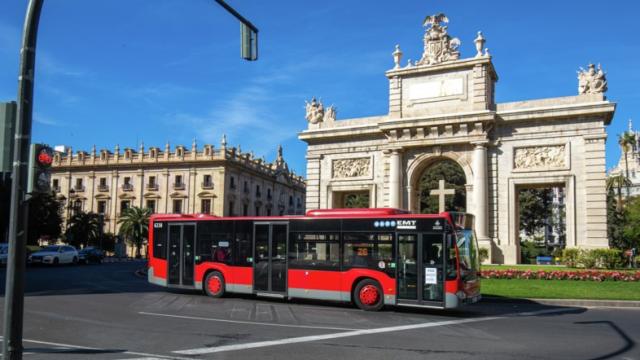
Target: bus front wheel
214,284
368,295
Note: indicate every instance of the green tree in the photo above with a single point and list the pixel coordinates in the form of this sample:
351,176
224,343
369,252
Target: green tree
356,200
627,142
134,226
615,221
454,178
616,182
535,209
631,231
45,218
83,229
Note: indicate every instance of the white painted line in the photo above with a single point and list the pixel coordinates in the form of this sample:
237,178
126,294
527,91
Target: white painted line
247,322
245,346
69,346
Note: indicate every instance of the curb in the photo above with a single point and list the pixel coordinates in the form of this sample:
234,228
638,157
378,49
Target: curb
118,260
567,302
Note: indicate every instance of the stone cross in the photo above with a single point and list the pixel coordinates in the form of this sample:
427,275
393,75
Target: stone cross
441,192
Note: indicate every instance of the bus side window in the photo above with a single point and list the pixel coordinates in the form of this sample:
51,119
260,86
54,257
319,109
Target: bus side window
160,240
452,265
242,243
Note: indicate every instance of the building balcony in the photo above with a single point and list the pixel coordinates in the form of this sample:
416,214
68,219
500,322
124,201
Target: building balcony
127,187
258,194
55,189
103,188
78,188
178,186
207,185
152,187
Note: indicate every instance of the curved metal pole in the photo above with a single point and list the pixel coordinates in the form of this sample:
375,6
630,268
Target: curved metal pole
14,294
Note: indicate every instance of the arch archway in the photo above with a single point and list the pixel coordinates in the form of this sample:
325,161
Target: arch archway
424,174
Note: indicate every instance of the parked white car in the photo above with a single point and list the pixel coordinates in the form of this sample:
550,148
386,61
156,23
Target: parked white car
54,255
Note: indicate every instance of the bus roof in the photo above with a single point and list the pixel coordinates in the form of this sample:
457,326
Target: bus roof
318,214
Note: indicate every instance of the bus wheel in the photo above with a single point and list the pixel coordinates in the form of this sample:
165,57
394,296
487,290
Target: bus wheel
368,295
214,284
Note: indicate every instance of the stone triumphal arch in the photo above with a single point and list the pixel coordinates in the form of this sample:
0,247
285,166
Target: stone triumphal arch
443,107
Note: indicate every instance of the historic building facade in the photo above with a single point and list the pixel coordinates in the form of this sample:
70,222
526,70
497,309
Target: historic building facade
218,181
630,161
442,107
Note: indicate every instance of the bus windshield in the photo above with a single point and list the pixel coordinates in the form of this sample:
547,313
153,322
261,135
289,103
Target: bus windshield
468,250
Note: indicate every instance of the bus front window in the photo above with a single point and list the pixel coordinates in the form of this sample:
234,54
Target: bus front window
468,251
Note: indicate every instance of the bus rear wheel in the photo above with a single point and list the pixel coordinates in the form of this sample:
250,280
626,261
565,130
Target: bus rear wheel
214,284
368,295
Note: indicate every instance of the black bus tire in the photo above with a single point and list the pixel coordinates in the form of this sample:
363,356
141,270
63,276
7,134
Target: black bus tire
214,284
368,295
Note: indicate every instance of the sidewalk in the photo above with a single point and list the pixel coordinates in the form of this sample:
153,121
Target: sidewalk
567,302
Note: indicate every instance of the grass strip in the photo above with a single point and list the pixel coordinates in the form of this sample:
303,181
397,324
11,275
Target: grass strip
561,289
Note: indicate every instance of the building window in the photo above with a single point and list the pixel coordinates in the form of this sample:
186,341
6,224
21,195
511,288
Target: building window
55,185
232,182
127,186
178,184
257,210
268,211
205,206
124,205
207,183
102,207
77,206
177,206
245,210
151,205
103,181
290,200
269,194
246,187
79,186
231,208
258,193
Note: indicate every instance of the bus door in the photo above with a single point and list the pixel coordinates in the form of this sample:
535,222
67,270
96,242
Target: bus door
181,254
270,257
421,269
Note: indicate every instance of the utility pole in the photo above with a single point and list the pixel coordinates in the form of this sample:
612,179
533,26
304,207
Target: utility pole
14,294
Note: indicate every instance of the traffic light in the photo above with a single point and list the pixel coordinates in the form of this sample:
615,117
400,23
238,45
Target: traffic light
249,42
40,159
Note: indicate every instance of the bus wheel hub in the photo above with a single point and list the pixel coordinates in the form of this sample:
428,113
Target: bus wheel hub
214,285
369,295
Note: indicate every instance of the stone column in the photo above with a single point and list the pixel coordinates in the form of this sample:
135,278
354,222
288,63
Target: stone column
395,172
480,190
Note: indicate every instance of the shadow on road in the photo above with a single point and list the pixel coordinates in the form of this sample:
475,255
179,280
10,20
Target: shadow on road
628,341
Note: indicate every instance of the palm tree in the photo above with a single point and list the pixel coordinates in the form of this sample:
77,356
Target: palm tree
134,226
627,142
617,181
83,229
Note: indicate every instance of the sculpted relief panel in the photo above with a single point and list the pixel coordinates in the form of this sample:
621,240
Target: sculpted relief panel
535,157
351,168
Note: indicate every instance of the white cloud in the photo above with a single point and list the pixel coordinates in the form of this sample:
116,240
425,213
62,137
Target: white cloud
45,120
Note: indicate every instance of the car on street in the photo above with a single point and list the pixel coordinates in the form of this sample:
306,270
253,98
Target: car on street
90,254
54,255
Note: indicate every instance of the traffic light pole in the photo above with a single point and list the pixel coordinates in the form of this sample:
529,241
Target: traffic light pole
14,294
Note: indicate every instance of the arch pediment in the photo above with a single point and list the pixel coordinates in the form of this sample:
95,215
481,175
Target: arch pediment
103,197
207,194
177,195
126,196
151,195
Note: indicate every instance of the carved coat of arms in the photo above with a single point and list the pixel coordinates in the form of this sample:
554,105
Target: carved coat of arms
316,112
438,45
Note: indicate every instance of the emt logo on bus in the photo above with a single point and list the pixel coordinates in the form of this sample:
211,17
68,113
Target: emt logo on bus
398,224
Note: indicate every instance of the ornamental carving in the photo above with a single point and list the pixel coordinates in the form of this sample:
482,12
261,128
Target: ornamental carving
540,157
316,112
592,81
438,45
351,168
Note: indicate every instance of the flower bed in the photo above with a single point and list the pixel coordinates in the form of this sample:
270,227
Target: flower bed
585,275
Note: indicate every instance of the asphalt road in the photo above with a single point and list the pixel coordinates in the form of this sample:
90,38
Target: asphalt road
106,312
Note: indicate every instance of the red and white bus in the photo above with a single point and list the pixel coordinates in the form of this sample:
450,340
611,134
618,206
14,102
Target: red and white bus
373,257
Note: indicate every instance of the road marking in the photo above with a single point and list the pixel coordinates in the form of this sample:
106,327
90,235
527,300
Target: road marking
302,339
69,346
247,322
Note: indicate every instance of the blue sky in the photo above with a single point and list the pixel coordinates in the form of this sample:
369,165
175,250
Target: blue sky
124,71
